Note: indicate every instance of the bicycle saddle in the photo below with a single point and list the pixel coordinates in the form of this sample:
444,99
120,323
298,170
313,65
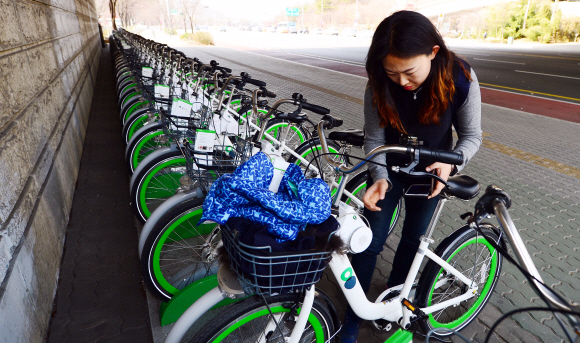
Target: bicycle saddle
351,136
462,187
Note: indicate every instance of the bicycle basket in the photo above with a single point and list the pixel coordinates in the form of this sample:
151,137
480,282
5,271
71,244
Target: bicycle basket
262,271
206,167
184,126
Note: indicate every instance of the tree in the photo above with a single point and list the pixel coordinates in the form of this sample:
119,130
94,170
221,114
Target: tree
126,9
189,8
112,8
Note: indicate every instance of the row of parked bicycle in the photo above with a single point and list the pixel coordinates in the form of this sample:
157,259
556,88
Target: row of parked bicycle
187,123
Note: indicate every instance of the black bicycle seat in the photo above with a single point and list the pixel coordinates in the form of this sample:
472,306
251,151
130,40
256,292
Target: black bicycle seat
351,136
462,187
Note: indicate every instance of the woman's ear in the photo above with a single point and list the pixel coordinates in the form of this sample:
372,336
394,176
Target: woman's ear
434,52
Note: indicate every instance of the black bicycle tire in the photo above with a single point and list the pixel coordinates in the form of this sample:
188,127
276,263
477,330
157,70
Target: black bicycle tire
142,173
242,309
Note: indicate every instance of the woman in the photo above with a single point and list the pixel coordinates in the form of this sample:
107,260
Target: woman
419,88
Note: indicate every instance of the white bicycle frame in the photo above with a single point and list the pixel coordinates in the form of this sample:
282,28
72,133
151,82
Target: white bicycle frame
392,310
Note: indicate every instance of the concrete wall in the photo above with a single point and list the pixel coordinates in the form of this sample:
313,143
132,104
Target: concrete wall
49,55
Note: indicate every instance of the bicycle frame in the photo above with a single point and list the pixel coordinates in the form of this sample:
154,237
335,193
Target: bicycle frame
392,310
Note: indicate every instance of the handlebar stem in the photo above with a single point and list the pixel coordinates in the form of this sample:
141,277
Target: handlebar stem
522,254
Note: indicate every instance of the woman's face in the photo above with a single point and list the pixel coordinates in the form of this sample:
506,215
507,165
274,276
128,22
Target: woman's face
409,73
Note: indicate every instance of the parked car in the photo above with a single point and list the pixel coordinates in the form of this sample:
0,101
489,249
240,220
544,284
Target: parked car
222,29
365,34
286,27
317,31
331,32
348,33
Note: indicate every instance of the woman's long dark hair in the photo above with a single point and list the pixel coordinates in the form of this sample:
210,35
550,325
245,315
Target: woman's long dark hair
407,34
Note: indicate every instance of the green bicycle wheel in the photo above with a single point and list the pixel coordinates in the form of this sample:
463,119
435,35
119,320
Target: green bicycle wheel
471,254
177,251
156,182
250,320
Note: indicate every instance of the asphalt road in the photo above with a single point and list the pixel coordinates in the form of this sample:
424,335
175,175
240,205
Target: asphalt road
543,71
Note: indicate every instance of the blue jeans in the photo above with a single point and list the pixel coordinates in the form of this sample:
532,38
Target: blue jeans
418,215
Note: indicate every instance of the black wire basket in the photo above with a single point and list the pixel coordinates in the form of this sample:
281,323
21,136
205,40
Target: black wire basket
206,167
263,271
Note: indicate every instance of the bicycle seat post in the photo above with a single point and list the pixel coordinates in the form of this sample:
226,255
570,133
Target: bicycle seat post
434,219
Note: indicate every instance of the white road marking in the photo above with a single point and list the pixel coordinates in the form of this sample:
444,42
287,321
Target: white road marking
483,59
529,72
327,59
307,65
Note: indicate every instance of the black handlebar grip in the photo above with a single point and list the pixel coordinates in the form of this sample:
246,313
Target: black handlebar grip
256,82
315,108
443,156
227,70
265,92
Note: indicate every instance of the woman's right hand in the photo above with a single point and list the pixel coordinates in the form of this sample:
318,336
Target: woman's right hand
375,193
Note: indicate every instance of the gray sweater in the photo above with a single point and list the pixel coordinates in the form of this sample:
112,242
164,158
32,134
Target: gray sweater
468,129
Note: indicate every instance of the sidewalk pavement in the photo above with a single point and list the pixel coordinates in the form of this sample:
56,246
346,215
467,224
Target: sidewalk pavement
532,157
100,295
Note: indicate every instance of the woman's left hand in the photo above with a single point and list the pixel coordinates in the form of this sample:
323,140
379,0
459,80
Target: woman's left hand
442,170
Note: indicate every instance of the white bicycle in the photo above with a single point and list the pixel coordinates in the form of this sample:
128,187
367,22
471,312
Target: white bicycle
454,286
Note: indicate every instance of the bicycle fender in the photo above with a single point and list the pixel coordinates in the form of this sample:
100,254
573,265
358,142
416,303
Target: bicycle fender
193,313
137,134
160,212
145,162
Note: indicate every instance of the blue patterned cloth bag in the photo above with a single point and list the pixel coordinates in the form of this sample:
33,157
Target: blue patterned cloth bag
245,194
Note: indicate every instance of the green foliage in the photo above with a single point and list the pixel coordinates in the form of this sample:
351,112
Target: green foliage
169,31
507,19
570,29
329,5
201,37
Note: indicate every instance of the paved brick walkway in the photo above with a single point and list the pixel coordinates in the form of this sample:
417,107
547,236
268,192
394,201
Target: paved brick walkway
534,158
100,296
523,153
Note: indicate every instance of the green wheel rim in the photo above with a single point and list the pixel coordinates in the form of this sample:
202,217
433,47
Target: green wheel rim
483,294
274,131
146,143
128,86
135,107
136,125
312,320
164,187
129,97
178,230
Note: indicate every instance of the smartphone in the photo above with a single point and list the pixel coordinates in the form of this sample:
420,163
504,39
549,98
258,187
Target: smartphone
419,190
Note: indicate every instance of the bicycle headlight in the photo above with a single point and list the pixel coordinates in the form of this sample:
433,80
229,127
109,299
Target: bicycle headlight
360,239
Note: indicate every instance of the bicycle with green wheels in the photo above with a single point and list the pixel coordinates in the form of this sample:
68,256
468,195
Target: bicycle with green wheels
163,174
455,284
175,251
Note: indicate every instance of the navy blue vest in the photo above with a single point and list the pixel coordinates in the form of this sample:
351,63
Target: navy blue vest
433,136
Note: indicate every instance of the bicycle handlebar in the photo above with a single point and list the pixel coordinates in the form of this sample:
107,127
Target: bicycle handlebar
315,108
256,82
448,157
418,152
